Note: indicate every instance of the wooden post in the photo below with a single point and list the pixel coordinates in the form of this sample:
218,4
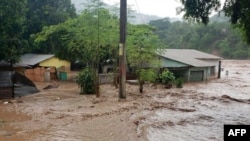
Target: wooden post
219,69
97,56
122,50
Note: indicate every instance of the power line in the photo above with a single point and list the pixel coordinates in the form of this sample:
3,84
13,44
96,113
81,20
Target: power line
138,9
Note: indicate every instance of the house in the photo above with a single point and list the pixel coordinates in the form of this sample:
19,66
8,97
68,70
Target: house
44,67
189,64
44,60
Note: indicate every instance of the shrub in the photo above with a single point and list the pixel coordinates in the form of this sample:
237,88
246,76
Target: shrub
146,75
179,82
167,77
86,80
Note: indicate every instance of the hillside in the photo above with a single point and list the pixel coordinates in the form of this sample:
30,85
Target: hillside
218,37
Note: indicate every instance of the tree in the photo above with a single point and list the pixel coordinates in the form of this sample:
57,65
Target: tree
12,17
209,38
237,10
141,49
90,38
47,12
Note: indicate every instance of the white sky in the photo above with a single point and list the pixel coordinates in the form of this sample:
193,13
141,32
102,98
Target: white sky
161,8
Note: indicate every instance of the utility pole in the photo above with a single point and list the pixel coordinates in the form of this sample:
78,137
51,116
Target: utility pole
122,50
97,57
219,70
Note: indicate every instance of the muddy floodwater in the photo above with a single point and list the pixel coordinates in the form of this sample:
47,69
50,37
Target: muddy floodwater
196,112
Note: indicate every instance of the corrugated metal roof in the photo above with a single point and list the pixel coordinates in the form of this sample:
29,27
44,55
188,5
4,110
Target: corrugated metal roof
189,56
33,59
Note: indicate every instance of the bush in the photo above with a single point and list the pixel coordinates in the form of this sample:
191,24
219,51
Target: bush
179,82
146,75
86,80
167,77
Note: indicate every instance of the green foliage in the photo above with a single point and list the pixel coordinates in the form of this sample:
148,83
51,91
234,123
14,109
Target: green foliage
12,17
237,10
215,38
149,75
91,38
239,13
199,10
21,18
167,77
47,12
179,82
142,44
86,80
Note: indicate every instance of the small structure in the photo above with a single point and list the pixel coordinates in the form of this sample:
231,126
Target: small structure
13,84
6,80
189,64
44,67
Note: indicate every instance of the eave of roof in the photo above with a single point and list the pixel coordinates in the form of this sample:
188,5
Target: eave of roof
33,59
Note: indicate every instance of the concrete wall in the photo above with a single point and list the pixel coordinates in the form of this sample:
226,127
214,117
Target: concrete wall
214,63
106,78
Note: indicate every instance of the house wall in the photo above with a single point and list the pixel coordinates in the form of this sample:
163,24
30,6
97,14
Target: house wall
40,74
214,63
204,70
55,62
167,63
181,73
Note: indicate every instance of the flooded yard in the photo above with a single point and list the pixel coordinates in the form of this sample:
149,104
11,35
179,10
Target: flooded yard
197,111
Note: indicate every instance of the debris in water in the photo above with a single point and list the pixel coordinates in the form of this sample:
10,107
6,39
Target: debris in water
55,85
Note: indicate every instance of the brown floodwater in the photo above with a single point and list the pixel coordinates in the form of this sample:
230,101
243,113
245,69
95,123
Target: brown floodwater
196,112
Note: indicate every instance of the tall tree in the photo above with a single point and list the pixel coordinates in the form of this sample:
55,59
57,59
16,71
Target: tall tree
237,10
47,12
92,35
12,17
141,49
92,38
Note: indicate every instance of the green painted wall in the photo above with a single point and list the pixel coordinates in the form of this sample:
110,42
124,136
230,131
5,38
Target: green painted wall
205,70
171,63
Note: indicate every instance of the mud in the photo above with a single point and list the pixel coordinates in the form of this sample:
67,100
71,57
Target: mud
196,112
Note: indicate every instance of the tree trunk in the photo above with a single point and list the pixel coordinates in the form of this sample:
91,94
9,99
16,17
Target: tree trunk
97,84
141,86
12,79
115,81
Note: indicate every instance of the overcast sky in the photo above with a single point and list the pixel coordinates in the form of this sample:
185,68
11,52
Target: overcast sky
161,8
